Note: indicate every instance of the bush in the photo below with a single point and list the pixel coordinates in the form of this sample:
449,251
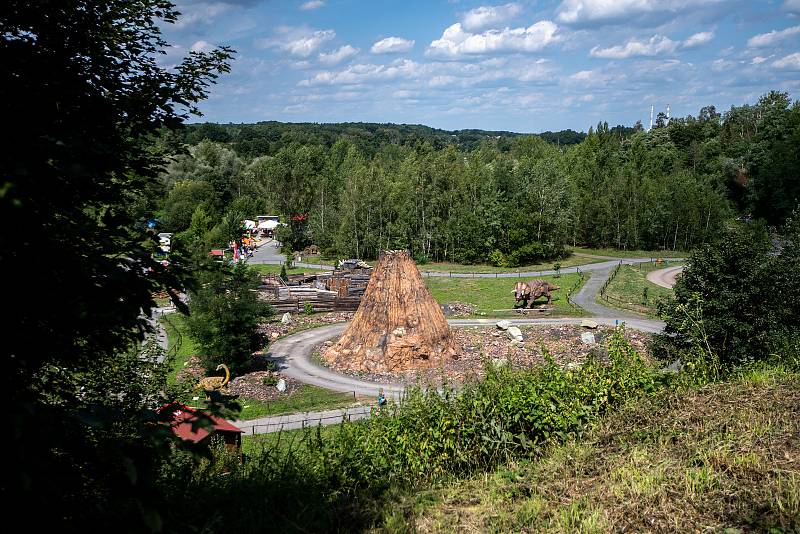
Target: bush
740,295
535,252
431,435
224,315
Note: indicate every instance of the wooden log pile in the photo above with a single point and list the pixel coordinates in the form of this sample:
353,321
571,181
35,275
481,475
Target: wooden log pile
398,326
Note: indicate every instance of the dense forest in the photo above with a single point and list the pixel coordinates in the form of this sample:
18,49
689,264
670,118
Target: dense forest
475,196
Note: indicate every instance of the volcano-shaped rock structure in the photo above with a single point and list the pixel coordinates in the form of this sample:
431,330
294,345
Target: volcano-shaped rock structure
398,326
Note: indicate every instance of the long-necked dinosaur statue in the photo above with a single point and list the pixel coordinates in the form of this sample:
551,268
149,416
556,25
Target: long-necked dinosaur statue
211,383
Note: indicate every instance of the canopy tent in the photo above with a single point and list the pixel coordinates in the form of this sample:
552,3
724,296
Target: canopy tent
269,225
249,224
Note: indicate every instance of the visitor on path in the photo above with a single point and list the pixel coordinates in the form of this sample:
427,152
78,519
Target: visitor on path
381,398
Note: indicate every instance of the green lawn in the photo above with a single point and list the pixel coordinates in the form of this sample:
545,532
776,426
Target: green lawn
178,336
626,290
307,399
632,253
571,261
490,294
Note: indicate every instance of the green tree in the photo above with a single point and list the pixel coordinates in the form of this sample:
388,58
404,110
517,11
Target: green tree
740,294
224,315
82,83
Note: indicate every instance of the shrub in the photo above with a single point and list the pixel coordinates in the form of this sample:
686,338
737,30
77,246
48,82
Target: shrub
740,295
431,435
308,308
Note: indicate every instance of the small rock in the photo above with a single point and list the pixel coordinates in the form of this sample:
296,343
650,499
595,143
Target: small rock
496,334
499,362
281,385
588,323
274,335
588,338
503,325
287,318
399,331
514,333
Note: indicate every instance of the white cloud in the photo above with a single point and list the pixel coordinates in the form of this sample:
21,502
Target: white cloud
364,73
582,11
485,16
769,39
297,41
719,65
202,46
790,62
441,81
296,108
759,60
697,39
392,45
311,4
792,6
200,13
336,56
656,45
457,42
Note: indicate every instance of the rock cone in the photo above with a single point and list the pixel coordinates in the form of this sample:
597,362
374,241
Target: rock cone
398,326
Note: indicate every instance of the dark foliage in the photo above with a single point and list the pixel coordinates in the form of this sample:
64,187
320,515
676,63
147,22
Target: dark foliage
225,311
741,295
82,87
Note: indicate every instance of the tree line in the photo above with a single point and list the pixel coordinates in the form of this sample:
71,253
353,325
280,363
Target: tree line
508,200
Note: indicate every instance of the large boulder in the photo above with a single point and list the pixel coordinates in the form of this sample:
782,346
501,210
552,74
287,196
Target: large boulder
503,325
514,333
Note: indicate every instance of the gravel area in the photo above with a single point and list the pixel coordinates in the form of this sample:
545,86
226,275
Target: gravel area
481,346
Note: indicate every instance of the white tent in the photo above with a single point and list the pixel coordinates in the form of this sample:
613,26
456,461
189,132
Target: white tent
268,225
249,224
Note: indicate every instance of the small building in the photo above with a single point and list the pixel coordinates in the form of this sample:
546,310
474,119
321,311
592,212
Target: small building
165,241
184,422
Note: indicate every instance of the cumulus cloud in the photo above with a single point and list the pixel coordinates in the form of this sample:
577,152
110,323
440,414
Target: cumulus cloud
297,41
457,42
792,6
583,11
790,62
770,38
485,16
202,46
719,65
363,73
311,4
656,45
697,39
336,56
759,60
392,45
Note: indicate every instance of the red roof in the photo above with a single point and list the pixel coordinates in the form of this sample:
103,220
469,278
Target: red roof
184,418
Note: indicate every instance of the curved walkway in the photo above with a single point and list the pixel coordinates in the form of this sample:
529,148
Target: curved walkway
665,277
293,354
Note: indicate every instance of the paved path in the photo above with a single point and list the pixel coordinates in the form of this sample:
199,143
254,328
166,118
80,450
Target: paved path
294,421
293,356
665,277
268,252
293,353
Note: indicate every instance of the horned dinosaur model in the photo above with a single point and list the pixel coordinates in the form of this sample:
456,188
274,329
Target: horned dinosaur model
530,291
211,383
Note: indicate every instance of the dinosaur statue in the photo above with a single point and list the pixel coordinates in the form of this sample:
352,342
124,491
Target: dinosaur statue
530,291
211,383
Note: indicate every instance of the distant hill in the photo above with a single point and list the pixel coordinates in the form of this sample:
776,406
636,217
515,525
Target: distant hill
265,138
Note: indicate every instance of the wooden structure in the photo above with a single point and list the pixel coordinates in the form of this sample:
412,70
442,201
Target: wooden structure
398,326
327,291
184,422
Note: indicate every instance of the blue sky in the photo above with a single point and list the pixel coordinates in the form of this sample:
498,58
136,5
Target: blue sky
523,66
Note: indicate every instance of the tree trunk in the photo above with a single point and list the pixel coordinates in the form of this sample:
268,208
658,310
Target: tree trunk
398,326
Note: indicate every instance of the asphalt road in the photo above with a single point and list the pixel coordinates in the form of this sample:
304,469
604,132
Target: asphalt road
665,277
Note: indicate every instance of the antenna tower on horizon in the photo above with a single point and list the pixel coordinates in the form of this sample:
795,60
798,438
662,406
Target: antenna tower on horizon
651,119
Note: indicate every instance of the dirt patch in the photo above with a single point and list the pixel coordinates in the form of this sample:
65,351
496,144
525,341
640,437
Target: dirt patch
275,329
480,346
260,385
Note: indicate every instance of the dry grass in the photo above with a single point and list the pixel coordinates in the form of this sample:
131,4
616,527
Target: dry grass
726,456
